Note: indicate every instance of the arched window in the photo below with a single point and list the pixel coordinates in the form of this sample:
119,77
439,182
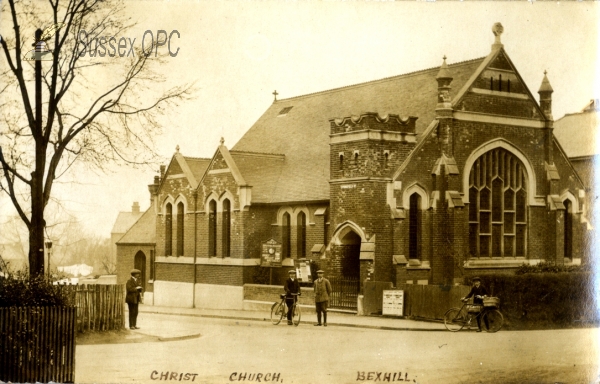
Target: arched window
212,228
286,232
226,228
414,221
568,242
169,230
180,232
498,206
301,228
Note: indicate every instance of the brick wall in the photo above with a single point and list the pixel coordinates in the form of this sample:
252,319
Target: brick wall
125,262
183,273
271,293
505,106
224,274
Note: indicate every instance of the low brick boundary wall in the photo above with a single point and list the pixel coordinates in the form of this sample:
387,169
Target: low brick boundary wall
270,293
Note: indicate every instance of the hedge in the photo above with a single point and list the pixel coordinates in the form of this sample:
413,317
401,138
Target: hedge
21,290
545,300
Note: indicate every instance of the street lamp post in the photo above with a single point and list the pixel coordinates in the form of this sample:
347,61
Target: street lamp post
49,251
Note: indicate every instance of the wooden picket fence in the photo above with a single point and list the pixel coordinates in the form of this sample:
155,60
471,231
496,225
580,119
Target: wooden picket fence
37,344
431,301
100,307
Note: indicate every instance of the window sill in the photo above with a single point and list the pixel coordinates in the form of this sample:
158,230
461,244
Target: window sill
495,262
416,264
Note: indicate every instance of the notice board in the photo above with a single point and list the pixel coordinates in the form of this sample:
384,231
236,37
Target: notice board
393,303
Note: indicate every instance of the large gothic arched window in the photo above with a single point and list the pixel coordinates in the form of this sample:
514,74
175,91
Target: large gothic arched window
498,206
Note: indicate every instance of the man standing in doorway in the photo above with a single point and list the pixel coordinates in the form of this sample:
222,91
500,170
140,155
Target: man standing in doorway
292,290
134,296
322,292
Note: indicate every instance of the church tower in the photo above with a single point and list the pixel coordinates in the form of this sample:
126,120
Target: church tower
365,151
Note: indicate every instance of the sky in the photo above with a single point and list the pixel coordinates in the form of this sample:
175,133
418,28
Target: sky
238,52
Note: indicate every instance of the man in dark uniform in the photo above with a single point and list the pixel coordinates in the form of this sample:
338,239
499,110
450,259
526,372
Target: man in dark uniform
291,286
134,296
478,292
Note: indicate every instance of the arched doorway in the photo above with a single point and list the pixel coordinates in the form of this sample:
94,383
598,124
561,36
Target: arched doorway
139,262
350,255
345,266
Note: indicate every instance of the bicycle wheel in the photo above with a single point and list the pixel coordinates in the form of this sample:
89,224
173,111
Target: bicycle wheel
296,315
277,313
455,319
492,320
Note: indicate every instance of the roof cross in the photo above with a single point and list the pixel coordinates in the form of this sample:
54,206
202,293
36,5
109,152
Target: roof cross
275,94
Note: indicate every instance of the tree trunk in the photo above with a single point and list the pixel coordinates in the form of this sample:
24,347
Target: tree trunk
36,229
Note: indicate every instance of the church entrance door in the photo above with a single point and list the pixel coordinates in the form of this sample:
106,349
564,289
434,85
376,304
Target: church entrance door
139,262
345,284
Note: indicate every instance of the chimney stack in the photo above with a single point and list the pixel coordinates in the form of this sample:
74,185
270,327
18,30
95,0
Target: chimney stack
135,208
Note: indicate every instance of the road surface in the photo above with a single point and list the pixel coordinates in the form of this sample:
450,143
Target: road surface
249,351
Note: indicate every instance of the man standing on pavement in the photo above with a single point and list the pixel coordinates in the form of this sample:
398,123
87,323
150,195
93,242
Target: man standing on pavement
292,290
322,292
134,296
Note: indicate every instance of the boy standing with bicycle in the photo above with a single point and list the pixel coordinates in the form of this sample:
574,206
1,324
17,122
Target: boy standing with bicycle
292,289
478,292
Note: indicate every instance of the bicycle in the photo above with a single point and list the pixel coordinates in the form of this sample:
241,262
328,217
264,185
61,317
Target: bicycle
456,318
278,311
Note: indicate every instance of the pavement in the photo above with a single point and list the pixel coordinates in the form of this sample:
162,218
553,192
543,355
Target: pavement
161,323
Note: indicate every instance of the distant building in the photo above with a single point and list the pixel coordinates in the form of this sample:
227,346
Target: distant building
579,136
422,178
122,224
136,249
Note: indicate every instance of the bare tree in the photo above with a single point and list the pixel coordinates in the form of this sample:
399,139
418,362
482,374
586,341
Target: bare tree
82,119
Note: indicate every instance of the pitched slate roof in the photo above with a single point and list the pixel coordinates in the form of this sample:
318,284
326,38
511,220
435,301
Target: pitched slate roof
143,231
198,166
125,220
262,171
579,133
302,134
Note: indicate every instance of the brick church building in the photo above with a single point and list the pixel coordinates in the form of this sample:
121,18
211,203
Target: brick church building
422,178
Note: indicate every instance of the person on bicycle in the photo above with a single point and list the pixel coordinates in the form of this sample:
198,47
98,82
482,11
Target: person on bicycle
478,292
292,290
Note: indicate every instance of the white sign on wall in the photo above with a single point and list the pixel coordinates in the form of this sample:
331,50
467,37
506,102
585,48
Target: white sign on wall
393,303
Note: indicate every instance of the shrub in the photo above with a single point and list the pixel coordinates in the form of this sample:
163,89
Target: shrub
549,267
537,300
21,290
